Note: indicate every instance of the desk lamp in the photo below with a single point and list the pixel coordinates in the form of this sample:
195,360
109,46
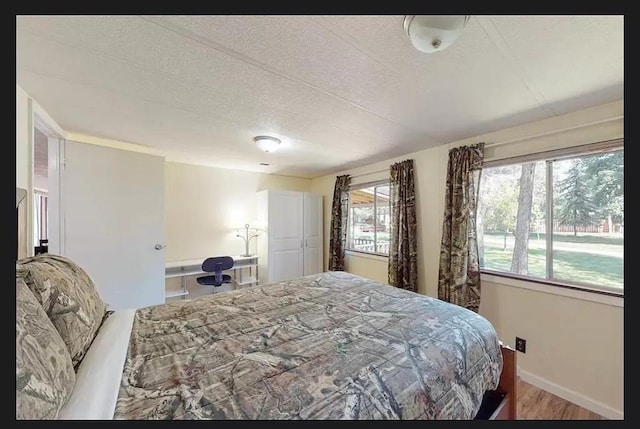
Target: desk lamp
246,237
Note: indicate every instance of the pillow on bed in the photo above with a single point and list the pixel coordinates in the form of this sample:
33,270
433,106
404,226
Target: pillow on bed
44,373
69,298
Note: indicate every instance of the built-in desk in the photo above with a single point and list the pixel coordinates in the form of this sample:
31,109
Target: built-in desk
243,273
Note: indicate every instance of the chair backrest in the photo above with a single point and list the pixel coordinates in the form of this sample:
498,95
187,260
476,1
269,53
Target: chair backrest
217,264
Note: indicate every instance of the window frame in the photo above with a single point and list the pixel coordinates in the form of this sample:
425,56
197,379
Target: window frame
549,157
41,215
356,187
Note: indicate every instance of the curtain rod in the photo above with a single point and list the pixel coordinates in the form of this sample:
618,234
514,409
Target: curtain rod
559,153
515,140
369,173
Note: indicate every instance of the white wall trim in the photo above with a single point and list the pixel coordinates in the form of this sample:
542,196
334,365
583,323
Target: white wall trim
116,144
43,120
585,118
57,235
168,155
571,396
55,140
555,290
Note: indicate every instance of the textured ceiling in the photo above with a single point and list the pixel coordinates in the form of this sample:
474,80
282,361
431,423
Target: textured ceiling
339,91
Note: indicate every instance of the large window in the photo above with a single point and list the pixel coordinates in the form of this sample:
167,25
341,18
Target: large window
369,218
559,219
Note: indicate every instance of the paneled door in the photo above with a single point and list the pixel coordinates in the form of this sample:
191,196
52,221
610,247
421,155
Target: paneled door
114,221
312,233
286,240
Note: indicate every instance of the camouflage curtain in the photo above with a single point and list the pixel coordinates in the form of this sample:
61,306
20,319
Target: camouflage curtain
338,232
459,276
403,246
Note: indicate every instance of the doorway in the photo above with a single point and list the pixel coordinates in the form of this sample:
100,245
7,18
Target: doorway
47,147
40,191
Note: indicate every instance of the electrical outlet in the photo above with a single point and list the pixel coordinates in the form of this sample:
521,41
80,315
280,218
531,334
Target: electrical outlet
521,345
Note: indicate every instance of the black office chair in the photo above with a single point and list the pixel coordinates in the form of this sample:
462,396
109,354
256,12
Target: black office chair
216,266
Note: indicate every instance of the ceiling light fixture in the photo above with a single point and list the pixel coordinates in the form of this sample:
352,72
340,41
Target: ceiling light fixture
266,143
433,33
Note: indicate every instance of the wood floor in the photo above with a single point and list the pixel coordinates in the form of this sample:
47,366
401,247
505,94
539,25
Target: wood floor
537,404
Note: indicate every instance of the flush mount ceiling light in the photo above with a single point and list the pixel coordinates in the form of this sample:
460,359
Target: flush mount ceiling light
433,33
266,143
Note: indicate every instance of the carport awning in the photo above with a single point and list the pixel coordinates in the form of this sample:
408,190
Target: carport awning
365,196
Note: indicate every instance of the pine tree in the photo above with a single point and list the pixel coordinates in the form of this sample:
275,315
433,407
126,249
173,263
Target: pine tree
575,202
606,176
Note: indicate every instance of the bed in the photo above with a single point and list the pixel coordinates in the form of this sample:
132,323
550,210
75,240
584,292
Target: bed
328,346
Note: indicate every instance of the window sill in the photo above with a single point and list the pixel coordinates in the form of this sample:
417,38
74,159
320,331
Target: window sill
538,286
374,256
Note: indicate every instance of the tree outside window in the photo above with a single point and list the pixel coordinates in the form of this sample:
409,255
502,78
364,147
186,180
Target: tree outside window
586,243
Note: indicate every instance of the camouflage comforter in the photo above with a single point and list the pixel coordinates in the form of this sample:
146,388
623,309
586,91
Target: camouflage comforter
327,346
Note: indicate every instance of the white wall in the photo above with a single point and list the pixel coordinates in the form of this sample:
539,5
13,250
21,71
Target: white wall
574,347
23,136
204,203
430,170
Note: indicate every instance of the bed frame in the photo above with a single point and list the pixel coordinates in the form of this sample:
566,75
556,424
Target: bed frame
507,387
501,404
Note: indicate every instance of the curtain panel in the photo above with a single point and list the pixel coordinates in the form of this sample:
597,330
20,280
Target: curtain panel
403,246
459,271
338,232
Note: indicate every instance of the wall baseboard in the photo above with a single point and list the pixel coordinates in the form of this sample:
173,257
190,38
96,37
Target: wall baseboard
571,396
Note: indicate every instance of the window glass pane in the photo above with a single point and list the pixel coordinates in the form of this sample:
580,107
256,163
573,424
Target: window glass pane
362,220
383,219
511,219
588,220
369,219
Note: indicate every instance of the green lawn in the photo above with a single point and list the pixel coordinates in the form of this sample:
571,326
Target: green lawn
568,237
585,258
582,267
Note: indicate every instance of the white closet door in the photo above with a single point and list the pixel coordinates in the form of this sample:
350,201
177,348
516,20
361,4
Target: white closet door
312,233
286,251
114,218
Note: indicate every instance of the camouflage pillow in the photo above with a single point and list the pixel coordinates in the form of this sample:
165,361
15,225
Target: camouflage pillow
69,298
44,373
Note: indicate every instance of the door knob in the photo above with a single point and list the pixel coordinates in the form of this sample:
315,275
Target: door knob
159,246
